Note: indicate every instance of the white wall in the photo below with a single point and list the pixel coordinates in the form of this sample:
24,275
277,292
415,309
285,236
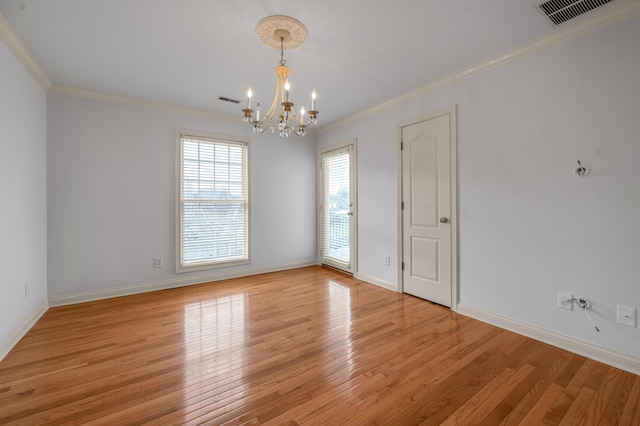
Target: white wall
111,196
23,208
527,226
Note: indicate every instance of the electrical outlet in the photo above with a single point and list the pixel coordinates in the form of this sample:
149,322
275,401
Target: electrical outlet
565,300
158,262
387,260
26,290
627,315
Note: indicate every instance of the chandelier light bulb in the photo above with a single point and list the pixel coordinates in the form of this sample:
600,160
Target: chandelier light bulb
249,95
313,100
302,111
287,86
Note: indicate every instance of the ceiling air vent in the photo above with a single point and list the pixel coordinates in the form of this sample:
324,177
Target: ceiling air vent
559,11
224,98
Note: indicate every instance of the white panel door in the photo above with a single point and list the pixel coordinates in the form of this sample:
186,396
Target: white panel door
427,209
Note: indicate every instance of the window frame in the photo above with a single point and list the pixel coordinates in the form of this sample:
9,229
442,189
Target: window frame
179,211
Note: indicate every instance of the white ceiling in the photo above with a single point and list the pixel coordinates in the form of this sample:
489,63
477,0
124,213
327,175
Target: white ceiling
358,53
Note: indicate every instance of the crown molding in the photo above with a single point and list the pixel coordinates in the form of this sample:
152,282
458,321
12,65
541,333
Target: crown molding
62,89
15,43
584,25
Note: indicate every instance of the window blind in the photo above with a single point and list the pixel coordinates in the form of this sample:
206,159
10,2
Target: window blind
213,202
336,212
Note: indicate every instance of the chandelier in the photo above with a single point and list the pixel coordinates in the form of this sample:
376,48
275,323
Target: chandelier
281,32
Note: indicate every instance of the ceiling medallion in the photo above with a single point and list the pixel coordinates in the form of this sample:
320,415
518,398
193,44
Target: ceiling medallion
281,32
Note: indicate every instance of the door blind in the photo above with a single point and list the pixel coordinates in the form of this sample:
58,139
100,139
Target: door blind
336,211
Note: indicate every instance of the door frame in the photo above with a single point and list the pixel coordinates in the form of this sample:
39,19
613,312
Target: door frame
451,111
353,176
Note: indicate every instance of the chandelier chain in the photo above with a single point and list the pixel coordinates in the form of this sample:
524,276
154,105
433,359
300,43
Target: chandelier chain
282,60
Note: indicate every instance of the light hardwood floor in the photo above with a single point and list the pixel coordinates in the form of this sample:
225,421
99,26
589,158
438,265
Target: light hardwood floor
308,346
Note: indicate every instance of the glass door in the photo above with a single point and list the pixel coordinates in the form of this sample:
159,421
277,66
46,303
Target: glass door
338,208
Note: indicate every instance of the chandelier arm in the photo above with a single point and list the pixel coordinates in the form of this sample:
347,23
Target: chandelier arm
270,113
298,120
268,116
279,90
279,94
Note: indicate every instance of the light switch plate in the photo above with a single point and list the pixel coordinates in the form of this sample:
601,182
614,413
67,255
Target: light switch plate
627,315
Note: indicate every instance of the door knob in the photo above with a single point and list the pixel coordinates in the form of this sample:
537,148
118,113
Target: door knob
444,220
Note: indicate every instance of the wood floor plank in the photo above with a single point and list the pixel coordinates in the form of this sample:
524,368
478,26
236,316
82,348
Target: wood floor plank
542,406
380,379
570,392
604,390
576,411
440,396
516,406
619,399
485,400
309,346
440,401
631,413
405,386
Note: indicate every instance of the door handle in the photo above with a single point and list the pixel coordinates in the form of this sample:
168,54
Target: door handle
444,220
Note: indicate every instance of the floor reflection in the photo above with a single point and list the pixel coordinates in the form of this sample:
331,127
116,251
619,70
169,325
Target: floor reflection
213,331
340,311
339,299
214,325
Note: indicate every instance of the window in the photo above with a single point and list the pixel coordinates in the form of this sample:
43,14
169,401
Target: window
212,181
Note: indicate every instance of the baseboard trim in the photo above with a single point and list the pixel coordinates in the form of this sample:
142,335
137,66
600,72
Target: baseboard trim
376,281
18,333
91,296
597,353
